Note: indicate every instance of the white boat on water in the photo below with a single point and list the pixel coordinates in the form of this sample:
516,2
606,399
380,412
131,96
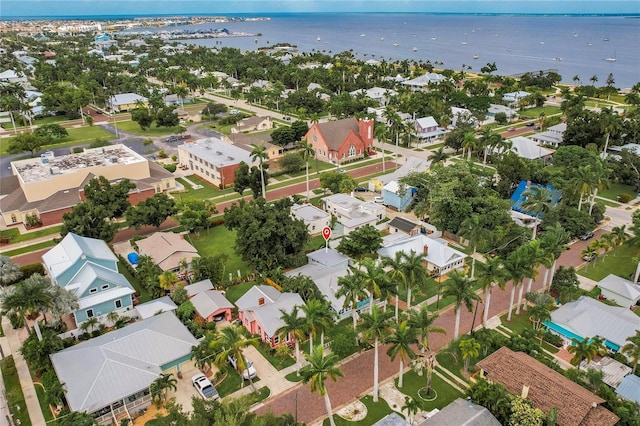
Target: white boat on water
415,49
434,38
363,35
475,56
611,59
396,44
381,38
318,39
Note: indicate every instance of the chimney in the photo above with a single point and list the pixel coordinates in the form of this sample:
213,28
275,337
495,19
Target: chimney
261,301
525,391
425,249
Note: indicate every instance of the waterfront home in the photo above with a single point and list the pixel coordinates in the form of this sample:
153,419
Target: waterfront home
525,376
109,376
494,109
341,140
378,94
424,81
88,268
514,97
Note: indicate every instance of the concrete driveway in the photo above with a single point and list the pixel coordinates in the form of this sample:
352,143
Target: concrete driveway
185,390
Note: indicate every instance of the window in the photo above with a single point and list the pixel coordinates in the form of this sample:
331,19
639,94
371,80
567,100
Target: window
89,313
352,151
93,290
105,286
118,304
276,340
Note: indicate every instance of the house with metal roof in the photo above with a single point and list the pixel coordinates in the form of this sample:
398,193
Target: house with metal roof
462,412
551,137
528,149
410,165
315,218
629,388
378,94
88,268
125,102
403,225
168,250
213,160
422,82
198,287
612,371
398,196
514,97
586,318
209,303
428,130
523,375
109,376
624,292
259,309
497,109
155,307
341,140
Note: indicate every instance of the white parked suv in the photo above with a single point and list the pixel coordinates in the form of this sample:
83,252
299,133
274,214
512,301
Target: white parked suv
204,387
250,371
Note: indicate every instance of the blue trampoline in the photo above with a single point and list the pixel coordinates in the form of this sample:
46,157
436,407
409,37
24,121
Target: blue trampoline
133,258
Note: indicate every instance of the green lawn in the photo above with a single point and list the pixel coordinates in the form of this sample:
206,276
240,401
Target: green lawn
453,364
375,412
206,192
235,292
16,237
616,189
220,240
145,296
76,136
412,383
46,411
277,362
619,260
14,395
134,128
29,249
232,383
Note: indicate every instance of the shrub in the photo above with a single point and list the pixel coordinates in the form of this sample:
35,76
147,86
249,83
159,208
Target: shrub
147,141
33,268
174,157
162,154
170,167
551,338
624,198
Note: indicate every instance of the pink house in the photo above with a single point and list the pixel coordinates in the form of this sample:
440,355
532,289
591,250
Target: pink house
210,304
259,310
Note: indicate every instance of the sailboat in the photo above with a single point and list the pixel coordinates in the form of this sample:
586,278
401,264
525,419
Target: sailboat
475,56
611,58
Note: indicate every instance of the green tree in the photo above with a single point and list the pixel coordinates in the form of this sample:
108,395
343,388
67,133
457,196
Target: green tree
259,153
213,109
26,299
565,284
319,317
36,351
632,349
523,413
583,349
337,182
51,132
363,241
469,348
491,274
375,328
294,325
553,241
9,271
291,163
201,354
142,116
89,220
166,117
77,419
231,342
516,267
400,341
89,325
352,288
537,202
161,386
541,310
473,230
317,370
415,271
242,178
307,153
113,197
194,216
152,211
25,142
373,277
461,288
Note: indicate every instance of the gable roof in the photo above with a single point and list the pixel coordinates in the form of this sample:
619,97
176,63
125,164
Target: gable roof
587,317
629,388
462,413
268,315
198,287
438,252
326,279
426,122
335,132
151,308
547,388
122,362
251,297
87,277
71,249
127,99
167,249
618,285
527,148
210,301
402,224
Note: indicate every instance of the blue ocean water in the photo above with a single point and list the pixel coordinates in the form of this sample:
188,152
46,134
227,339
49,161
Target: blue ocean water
574,45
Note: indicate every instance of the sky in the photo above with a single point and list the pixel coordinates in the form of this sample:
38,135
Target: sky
54,8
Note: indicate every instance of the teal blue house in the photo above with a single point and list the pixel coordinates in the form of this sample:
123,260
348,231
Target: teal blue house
398,196
89,268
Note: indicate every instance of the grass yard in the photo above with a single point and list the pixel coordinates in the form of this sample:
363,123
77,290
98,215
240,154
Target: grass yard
235,292
46,410
206,192
518,322
233,382
278,362
412,383
144,295
134,128
76,136
16,237
13,389
619,260
29,249
375,412
220,240
616,189
447,360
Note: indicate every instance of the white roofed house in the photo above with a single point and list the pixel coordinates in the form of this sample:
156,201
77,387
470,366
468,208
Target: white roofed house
109,376
210,304
528,149
259,310
514,97
315,219
125,102
497,108
551,137
428,130
623,292
422,82
462,115
439,258
378,94
351,212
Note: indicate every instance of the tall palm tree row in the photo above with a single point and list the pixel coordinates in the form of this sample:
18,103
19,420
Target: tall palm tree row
473,230
319,317
554,241
461,288
352,288
516,267
396,274
491,274
374,328
402,337
374,278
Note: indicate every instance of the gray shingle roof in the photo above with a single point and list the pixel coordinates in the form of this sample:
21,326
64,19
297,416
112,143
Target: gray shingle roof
120,363
198,287
335,132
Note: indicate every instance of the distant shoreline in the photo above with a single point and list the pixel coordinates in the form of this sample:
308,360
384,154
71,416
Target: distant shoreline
246,15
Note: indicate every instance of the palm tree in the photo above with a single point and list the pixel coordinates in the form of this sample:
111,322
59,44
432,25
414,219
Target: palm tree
201,353
411,406
461,288
422,321
27,299
161,386
554,241
491,274
351,287
89,325
537,202
319,317
516,267
589,252
415,271
541,310
401,339
469,348
472,229
600,181
231,342
396,273
619,235
167,280
611,124
307,153
374,278
537,257
585,349
438,157
295,326
9,272
583,182
375,327
259,153
468,143
317,370
632,349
